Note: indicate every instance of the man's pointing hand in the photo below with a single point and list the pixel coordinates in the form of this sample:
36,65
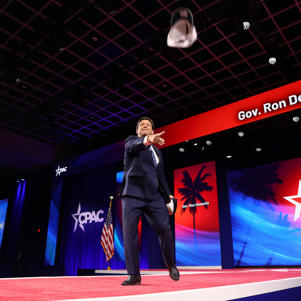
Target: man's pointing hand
156,138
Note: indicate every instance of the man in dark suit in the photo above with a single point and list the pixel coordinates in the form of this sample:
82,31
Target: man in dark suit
145,191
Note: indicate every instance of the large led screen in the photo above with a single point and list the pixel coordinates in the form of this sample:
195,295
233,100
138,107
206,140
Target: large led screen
265,204
197,236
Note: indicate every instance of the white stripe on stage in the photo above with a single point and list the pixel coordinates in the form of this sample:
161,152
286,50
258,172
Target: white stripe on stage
220,293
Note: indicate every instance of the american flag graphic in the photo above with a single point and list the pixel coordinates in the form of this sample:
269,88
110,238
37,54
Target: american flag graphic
107,236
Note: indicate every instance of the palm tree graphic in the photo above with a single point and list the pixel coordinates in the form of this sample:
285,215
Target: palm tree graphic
192,193
255,183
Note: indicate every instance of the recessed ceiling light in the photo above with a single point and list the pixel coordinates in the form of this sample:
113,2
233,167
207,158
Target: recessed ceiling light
181,150
258,149
272,60
296,118
240,134
209,142
229,156
195,144
246,25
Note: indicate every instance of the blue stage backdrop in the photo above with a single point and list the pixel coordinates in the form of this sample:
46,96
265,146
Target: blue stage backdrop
265,206
51,241
117,213
3,210
85,202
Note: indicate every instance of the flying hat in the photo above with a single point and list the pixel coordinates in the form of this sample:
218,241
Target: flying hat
182,33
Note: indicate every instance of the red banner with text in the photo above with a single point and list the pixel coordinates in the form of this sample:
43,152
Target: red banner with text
257,107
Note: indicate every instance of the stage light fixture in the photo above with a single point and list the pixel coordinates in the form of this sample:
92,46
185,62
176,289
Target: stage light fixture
18,80
272,60
258,149
209,142
195,144
229,156
296,118
240,134
246,25
181,150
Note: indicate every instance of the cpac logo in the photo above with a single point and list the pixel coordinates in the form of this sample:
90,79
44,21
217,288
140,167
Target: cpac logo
82,218
60,170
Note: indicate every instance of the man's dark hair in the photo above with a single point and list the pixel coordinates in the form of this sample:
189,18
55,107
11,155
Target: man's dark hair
145,118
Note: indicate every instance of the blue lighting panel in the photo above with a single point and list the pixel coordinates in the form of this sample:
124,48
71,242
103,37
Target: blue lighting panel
3,211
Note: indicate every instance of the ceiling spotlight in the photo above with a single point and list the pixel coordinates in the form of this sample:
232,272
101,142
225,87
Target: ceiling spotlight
203,148
258,149
296,118
61,49
246,25
18,80
208,142
240,134
181,150
195,144
229,156
272,60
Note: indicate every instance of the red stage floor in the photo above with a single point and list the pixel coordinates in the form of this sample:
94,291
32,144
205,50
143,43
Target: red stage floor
193,285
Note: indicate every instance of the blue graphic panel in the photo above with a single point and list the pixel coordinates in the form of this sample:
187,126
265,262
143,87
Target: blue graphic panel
118,238
3,211
51,242
85,202
265,227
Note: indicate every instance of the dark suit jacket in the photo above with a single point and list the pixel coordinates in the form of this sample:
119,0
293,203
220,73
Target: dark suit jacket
142,178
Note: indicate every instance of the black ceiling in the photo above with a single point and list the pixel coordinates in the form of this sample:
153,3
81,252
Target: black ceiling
77,73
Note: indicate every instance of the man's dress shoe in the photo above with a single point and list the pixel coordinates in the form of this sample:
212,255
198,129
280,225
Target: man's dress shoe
174,273
132,280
